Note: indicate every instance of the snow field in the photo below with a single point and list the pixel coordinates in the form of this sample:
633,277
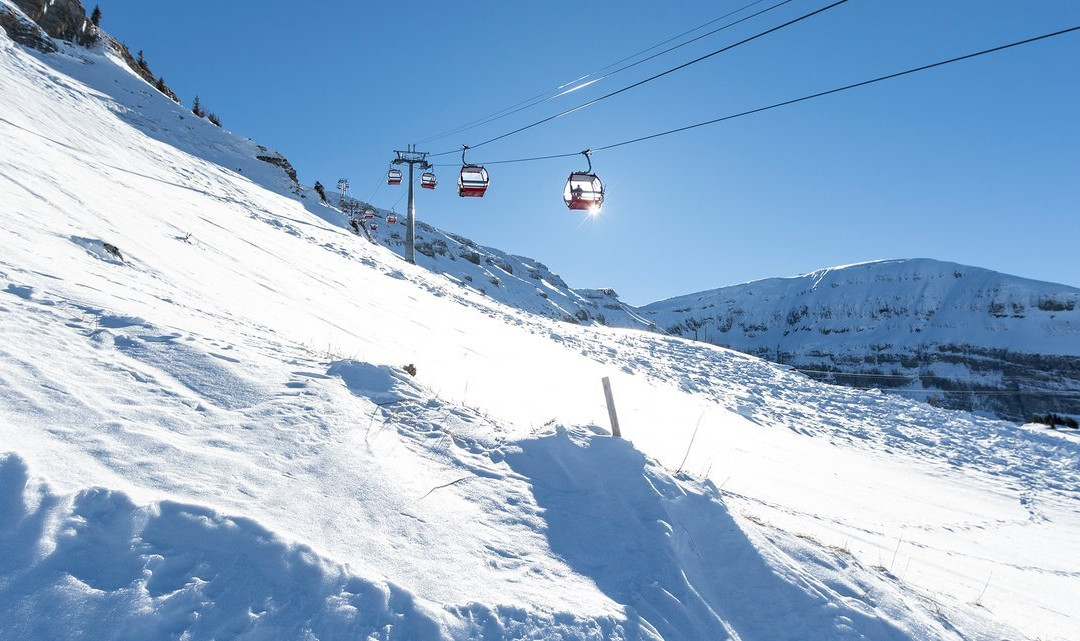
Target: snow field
235,384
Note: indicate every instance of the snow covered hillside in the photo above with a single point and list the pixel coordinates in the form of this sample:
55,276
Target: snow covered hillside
206,433
959,336
518,281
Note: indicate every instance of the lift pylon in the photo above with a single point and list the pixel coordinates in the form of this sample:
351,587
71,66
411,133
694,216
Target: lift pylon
412,158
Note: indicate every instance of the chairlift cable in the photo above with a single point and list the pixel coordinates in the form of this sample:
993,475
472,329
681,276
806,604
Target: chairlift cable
685,33
503,162
542,97
589,103
819,94
377,188
846,87
584,81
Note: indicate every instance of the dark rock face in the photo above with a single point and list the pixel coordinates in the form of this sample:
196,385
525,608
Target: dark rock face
61,19
66,20
1007,384
278,160
25,32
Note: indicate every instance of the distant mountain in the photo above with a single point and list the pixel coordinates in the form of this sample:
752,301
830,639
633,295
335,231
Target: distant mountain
954,335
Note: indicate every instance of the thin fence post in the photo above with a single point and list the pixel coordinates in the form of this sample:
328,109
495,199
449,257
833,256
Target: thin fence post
611,408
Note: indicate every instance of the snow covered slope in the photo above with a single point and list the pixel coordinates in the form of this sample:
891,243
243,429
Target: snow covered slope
963,337
518,281
207,433
958,336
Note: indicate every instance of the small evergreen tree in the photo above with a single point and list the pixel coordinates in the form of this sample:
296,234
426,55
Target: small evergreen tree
160,84
212,117
95,16
140,60
319,189
196,108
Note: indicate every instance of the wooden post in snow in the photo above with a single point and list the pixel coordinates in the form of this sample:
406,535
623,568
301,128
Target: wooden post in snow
611,408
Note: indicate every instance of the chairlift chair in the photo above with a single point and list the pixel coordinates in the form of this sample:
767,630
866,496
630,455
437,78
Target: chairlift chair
373,226
391,219
473,179
393,177
584,191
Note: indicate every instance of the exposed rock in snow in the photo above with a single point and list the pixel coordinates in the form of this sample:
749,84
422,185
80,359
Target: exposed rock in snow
62,19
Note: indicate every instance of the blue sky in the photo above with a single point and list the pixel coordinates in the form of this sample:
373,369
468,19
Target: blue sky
977,163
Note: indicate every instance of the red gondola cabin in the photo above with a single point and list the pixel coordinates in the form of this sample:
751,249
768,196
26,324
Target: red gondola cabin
472,181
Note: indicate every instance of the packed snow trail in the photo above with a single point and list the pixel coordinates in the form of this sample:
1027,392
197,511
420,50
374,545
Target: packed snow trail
236,377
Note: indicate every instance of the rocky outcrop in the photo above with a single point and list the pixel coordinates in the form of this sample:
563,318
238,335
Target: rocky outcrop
143,70
25,32
61,19
67,20
276,159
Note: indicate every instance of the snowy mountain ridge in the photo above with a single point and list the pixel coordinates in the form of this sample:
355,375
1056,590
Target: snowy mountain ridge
929,299
206,432
964,337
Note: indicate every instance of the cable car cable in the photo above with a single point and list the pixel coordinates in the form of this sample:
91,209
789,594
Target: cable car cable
377,188
545,95
685,33
802,99
846,87
580,82
651,78
504,162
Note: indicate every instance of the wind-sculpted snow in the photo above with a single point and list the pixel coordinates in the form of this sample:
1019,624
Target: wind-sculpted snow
96,565
212,434
106,568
